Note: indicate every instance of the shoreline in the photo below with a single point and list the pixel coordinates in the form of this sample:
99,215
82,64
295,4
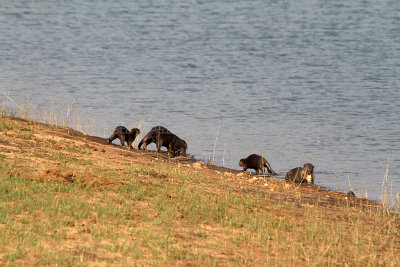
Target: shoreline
204,166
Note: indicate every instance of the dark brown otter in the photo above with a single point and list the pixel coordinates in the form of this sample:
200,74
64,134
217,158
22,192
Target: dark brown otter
303,174
151,136
256,162
124,135
351,194
173,143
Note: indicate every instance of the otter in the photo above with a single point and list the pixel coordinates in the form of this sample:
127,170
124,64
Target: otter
351,194
124,135
256,162
150,137
303,174
174,144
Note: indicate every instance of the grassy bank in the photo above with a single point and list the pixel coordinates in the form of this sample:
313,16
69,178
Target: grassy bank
71,199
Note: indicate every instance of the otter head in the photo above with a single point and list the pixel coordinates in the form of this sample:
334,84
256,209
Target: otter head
182,147
135,132
309,168
242,162
178,146
307,173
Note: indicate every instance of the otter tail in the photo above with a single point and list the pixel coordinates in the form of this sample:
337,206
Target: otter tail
270,170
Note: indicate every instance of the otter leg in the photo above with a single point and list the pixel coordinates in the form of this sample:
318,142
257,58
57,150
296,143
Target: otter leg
122,139
130,141
158,144
170,151
257,172
147,142
140,144
145,145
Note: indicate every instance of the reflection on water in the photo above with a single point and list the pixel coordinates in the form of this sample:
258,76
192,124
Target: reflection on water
295,81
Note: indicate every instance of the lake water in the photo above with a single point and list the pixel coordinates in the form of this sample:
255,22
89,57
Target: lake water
297,81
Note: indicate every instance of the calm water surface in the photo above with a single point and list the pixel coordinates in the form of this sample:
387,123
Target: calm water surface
297,81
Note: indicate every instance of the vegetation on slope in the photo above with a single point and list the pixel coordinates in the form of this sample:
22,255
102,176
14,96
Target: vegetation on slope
71,199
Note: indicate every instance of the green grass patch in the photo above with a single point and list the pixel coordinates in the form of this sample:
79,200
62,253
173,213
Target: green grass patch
4,126
66,160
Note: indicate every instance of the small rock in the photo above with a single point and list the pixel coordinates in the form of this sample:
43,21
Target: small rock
197,166
67,174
